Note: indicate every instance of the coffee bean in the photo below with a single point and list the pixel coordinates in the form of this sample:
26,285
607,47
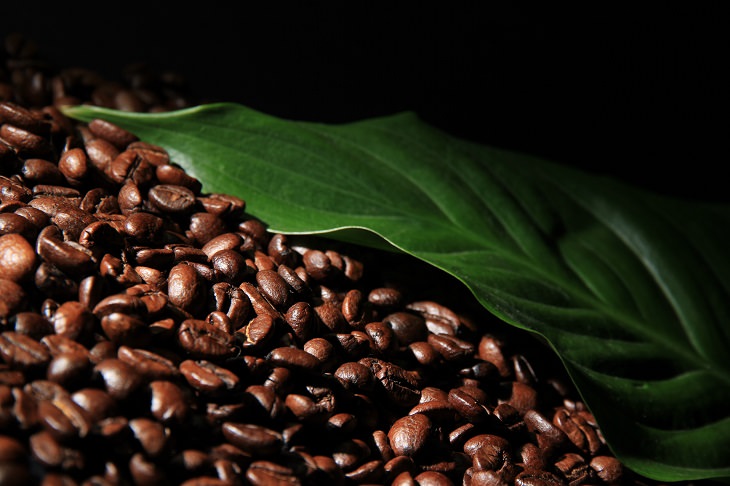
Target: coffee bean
265,473
409,435
172,199
400,386
119,378
151,435
22,351
293,358
408,327
74,165
254,439
111,133
203,340
17,257
208,377
169,402
185,288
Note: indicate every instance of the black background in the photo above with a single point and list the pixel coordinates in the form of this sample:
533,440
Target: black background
638,92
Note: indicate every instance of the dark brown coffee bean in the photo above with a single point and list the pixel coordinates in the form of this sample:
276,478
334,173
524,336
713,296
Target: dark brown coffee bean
272,286
146,472
101,153
205,226
67,256
97,404
123,329
408,327
203,340
300,318
385,297
169,402
410,434
433,478
550,438
439,319
130,198
25,143
293,358
382,336
354,376
573,468
400,385
125,303
609,469
331,316
172,199
317,264
208,377
49,453
323,350
490,349
145,228
13,223
111,133
63,418
223,205
119,378
293,280
73,320
24,352
151,435
19,116
424,353
150,365
229,266
578,430
74,165
130,166
537,478
153,154
185,288
266,473
173,175
32,324
40,171
17,258
450,347
469,406
260,305
68,217
69,369
254,439
369,472
225,241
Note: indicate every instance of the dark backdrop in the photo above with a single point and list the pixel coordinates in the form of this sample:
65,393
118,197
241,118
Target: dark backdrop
638,92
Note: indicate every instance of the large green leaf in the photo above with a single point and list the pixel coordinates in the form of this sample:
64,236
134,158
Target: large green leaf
631,289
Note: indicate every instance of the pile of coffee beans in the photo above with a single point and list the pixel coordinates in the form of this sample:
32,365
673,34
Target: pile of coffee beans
156,334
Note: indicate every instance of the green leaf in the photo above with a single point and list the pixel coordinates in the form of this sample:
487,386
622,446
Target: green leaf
631,289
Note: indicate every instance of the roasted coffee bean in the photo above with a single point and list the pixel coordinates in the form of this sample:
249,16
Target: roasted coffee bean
409,435
17,258
175,176
223,205
111,133
119,378
74,166
354,375
185,288
265,473
151,435
578,430
400,386
14,223
408,327
150,365
451,348
203,340
97,404
254,439
21,351
293,358
169,403
172,199
208,377
25,143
